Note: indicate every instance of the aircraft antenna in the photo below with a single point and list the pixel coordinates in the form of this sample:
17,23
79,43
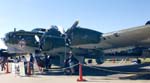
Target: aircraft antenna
14,29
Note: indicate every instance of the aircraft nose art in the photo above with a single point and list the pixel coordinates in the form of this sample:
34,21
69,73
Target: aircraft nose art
22,43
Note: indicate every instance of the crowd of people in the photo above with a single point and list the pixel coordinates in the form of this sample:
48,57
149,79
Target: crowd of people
29,64
16,60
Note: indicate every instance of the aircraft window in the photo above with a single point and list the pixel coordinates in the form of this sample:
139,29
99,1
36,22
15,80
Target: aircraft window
21,31
54,27
39,30
43,30
116,35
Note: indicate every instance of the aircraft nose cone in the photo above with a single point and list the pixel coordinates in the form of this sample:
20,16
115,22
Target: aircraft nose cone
4,39
7,37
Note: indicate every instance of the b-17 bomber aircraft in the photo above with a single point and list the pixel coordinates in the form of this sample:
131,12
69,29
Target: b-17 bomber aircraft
51,41
83,42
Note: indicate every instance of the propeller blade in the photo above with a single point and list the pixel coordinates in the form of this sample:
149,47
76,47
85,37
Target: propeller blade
37,38
75,24
61,29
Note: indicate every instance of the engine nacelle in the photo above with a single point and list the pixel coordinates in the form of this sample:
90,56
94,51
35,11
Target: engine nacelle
52,39
83,36
48,43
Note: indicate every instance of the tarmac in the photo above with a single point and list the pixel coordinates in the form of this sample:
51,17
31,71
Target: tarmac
9,78
92,74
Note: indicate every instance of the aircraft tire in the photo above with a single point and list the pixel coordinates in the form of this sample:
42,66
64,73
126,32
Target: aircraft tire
99,61
100,58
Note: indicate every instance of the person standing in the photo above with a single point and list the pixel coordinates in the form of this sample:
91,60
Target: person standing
72,61
23,59
16,61
3,62
46,61
31,62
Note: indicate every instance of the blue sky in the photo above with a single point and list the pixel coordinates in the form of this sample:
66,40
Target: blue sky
100,15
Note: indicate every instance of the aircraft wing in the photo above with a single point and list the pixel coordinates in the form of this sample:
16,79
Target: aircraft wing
136,36
128,38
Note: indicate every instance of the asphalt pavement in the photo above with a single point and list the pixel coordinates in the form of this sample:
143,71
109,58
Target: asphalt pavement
106,73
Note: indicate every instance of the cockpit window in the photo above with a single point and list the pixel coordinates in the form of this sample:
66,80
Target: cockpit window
54,27
39,30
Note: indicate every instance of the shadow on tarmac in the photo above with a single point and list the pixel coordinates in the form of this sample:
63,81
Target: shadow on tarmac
94,71
137,77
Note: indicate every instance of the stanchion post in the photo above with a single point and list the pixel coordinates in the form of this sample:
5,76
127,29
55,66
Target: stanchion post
113,60
7,67
80,79
29,69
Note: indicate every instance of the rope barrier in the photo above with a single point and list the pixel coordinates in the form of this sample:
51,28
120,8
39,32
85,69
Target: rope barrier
65,67
115,71
108,70
70,66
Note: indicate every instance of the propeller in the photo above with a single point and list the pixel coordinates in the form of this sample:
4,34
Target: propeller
38,42
64,33
37,38
75,24
61,29
68,35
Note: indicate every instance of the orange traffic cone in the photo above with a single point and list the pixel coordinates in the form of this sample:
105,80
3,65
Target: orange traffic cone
113,60
80,79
